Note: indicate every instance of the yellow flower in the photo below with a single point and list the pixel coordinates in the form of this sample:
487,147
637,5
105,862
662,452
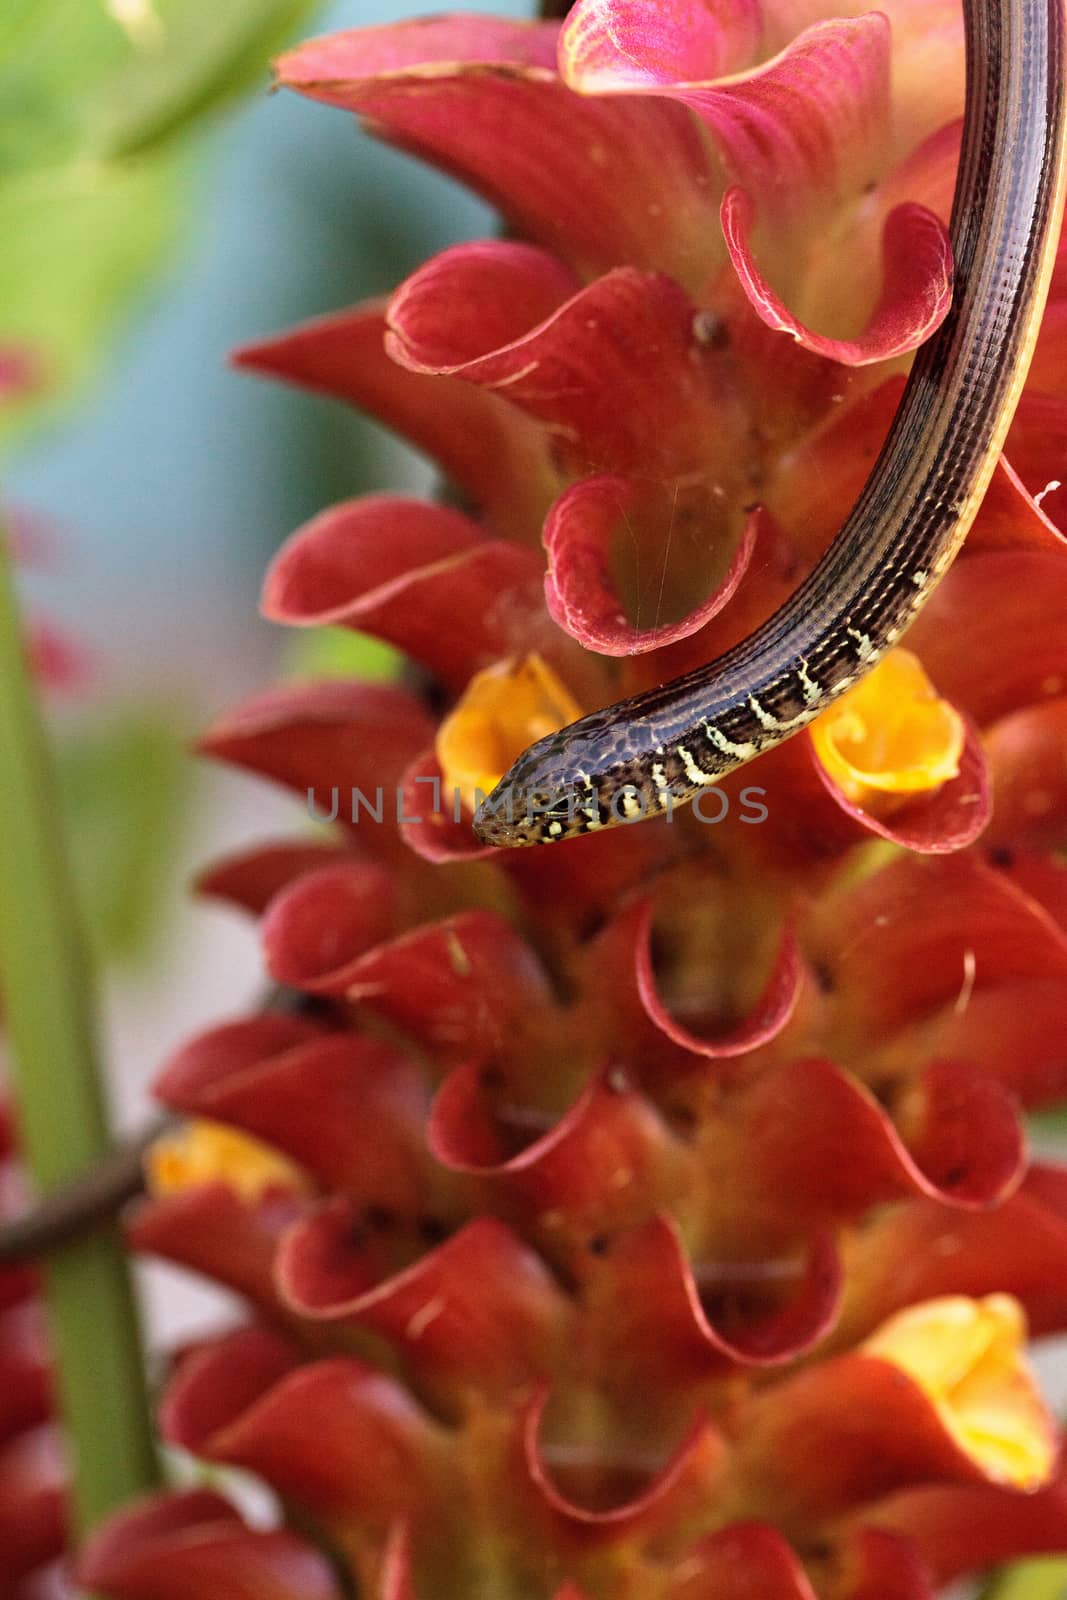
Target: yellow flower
967,1356
503,709
206,1152
891,736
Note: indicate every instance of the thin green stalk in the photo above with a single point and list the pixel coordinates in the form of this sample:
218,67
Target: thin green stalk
48,1018
1030,1580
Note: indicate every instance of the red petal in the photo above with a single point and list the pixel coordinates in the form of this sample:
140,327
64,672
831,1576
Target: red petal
811,818
602,1164
809,120
362,545
967,1529
885,1566
622,44
316,929
817,484
1013,1034
396,1568
209,1058
818,1139
423,47
664,1329
344,745
580,589
211,1231
482,444
1030,777
598,182
1036,444
337,1437
686,1482
918,188
481,1310
916,288
33,1520
25,1383
347,1108
919,1251
251,879
1042,877
922,933
584,371
192,1546
751,1561
456,986
216,1381
1011,519
515,287
992,638
766,1019
843,1433
435,826
420,576
747,1561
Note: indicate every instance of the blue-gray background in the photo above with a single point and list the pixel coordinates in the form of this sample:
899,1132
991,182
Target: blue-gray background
173,479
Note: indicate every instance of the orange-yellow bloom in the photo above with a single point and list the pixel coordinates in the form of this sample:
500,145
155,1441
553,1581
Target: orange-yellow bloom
967,1355
891,735
504,709
204,1152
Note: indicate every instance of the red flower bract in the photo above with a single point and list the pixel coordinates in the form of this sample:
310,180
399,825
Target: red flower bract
654,1218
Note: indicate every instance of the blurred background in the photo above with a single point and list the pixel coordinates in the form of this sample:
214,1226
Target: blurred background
158,206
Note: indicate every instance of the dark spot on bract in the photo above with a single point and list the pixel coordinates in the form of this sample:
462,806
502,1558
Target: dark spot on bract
710,331
824,977
433,1230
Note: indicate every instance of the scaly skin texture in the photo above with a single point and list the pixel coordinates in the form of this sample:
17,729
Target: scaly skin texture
660,748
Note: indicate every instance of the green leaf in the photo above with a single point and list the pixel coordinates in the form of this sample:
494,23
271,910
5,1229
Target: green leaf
94,95
53,56
1030,1580
341,653
78,242
1050,1125
205,53
124,788
109,78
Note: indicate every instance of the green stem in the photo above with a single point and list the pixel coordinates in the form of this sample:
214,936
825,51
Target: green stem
1030,1580
48,1017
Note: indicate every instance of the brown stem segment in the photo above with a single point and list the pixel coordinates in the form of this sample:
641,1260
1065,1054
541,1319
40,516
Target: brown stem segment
79,1207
